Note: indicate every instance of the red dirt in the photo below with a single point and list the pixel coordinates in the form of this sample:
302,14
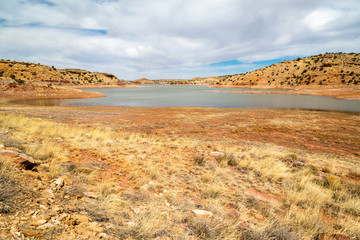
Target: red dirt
314,131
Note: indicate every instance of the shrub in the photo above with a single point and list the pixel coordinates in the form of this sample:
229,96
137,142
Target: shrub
12,76
226,159
333,182
199,160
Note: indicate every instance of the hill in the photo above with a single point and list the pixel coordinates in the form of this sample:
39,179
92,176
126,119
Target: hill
39,74
330,69
143,81
21,80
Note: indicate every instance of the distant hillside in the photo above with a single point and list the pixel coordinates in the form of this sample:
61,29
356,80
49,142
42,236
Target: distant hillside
331,69
143,81
38,74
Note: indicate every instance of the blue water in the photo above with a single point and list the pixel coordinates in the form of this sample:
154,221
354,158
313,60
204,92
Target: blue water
197,96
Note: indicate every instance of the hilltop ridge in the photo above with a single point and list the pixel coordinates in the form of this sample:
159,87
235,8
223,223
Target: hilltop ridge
330,69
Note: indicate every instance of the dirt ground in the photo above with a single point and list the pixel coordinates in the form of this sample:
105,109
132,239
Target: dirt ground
313,131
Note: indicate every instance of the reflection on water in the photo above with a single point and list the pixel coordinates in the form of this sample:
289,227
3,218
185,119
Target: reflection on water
200,96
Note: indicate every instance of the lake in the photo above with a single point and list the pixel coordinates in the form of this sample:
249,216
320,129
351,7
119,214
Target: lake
197,96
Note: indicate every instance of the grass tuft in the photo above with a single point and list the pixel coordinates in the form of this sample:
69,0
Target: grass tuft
227,159
199,160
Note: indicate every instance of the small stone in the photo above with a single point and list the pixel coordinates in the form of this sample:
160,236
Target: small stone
43,207
215,154
202,213
57,184
46,226
67,180
57,209
31,232
38,222
43,201
81,218
90,195
48,193
94,226
130,224
44,177
55,221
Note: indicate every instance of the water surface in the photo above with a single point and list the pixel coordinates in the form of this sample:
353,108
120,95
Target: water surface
197,96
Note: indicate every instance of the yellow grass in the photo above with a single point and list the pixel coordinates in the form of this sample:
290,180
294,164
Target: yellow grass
163,184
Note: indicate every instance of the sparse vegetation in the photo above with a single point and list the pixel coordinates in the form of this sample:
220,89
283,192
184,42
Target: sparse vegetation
8,186
148,185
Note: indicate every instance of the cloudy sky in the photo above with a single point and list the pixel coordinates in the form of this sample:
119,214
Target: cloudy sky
174,38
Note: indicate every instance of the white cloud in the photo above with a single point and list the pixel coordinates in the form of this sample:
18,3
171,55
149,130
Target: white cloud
177,38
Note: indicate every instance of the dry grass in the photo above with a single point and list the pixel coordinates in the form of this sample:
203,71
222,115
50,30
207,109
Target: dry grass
8,186
147,184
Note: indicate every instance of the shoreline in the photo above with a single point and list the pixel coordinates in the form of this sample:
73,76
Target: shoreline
72,92
334,92
174,122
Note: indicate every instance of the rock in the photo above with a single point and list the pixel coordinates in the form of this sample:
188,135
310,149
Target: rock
44,177
67,180
81,219
57,184
130,224
21,161
90,195
44,201
202,213
215,154
57,209
31,232
43,207
46,226
95,226
32,174
38,222
105,236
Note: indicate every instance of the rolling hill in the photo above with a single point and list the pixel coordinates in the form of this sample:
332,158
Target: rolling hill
330,69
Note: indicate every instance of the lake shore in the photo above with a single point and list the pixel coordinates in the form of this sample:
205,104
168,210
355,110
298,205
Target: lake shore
273,126
74,92
26,91
335,92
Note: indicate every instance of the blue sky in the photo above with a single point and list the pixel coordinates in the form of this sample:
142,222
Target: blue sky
174,38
